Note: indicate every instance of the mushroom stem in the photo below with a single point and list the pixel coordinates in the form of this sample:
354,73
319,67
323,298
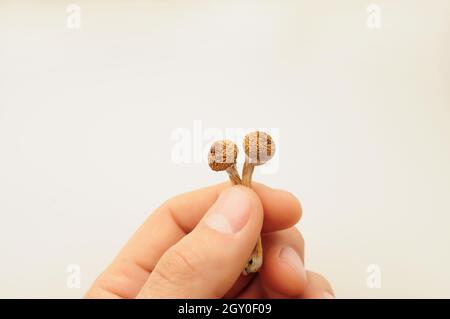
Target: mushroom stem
259,148
256,259
247,173
233,174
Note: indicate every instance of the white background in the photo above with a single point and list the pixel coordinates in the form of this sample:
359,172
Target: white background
86,118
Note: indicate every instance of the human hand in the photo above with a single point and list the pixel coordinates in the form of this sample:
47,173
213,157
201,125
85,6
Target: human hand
197,244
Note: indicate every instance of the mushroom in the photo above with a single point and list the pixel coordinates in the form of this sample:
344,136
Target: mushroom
259,148
222,157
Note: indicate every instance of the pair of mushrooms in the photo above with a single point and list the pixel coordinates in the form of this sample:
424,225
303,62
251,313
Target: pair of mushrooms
259,148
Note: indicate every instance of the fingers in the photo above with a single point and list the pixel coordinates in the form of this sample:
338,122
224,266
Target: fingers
255,290
171,222
318,287
283,273
281,208
240,285
208,261
180,215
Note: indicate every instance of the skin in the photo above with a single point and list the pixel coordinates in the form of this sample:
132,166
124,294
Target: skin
174,254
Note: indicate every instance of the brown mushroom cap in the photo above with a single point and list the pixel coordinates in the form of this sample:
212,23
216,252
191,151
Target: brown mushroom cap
222,155
259,147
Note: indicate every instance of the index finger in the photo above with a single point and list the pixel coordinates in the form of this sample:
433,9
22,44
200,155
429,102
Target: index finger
281,209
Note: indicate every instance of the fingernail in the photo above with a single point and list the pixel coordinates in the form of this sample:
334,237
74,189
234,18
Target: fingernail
230,212
327,295
290,257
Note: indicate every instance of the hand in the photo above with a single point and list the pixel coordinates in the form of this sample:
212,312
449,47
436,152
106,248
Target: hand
197,244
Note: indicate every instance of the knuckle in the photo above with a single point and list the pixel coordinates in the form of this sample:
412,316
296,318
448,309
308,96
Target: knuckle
319,280
180,263
297,235
301,239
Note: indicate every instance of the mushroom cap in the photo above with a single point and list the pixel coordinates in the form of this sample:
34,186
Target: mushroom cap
222,155
259,147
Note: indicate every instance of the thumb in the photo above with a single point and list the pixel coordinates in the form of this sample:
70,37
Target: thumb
207,261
